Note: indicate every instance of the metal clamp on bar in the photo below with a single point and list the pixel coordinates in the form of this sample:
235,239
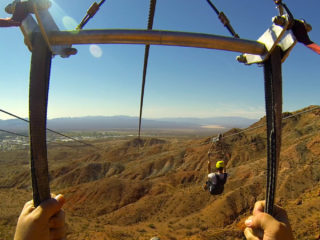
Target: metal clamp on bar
45,25
90,14
27,5
279,34
224,20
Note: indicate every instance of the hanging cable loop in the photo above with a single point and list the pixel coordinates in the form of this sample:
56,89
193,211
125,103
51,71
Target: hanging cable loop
214,142
146,57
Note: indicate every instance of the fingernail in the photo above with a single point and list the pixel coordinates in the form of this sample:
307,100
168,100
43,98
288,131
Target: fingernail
248,222
60,198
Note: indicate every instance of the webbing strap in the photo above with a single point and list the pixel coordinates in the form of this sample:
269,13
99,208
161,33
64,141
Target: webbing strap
300,30
314,47
38,98
146,57
273,96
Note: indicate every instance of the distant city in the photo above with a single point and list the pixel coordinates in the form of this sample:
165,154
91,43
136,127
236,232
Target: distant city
9,143
93,128
12,142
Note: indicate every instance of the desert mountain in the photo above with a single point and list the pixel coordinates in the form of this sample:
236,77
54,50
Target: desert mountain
138,189
126,122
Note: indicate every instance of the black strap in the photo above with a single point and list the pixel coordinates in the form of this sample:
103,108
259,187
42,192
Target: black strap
38,98
299,30
273,96
218,179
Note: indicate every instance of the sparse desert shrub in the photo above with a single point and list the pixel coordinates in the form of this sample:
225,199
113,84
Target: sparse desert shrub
204,228
151,225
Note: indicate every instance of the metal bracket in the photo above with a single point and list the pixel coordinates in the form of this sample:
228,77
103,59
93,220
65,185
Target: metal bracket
28,27
45,25
276,35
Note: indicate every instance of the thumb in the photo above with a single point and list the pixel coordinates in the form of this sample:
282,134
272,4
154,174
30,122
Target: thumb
260,221
50,207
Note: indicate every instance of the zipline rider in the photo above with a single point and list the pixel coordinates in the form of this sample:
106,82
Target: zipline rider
216,181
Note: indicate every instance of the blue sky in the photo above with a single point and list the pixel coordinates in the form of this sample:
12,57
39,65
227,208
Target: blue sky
181,82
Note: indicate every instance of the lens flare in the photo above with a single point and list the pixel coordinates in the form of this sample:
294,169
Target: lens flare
95,50
69,23
62,18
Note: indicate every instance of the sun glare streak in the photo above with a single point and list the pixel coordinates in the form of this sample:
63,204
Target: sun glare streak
95,50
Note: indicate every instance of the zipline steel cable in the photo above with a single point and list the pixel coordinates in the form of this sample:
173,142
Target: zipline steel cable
262,125
146,57
215,139
25,136
13,133
50,130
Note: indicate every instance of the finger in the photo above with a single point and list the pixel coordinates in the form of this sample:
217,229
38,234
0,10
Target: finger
278,212
58,220
260,221
53,195
57,233
50,207
27,208
29,203
248,232
259,207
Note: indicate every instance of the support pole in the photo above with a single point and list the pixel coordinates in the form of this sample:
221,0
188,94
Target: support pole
38,98
273,95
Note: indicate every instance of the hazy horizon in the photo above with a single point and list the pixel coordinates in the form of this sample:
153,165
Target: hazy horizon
150,118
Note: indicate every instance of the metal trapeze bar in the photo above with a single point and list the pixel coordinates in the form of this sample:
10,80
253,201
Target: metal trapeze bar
152,37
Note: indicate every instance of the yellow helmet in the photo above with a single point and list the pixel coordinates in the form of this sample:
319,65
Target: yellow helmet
220,164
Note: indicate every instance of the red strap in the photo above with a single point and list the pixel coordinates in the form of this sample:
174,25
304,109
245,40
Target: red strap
314,47
8,23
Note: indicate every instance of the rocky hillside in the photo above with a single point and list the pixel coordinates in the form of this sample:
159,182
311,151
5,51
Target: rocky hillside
138,189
